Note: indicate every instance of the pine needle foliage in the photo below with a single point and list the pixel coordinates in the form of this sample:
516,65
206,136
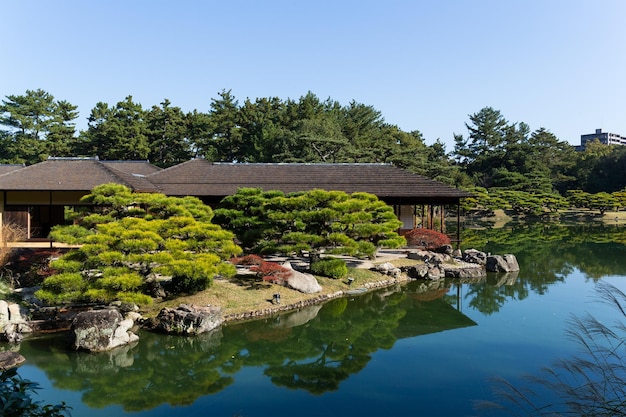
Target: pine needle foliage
129,237
309,222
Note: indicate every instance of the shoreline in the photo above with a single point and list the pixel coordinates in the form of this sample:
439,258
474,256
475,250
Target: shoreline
243,298
313,300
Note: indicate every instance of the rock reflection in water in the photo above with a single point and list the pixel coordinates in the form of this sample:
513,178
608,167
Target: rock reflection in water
313,349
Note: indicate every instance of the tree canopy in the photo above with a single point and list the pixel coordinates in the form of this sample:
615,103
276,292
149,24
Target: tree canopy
309,222
134,242
494,153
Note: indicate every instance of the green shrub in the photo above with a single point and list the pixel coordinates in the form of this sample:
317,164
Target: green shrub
66,265
134,298
330,267
98,295
66,282
70,234
186,284
16,398
122,282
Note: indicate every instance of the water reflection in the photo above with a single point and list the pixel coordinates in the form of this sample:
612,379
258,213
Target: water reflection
314,349
547,254
317,348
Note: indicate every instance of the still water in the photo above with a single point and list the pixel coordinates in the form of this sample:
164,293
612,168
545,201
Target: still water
411,350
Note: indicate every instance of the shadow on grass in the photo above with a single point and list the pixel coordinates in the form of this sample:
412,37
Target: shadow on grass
250,282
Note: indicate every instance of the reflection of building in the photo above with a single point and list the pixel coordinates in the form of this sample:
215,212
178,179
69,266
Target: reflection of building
431,316
603,137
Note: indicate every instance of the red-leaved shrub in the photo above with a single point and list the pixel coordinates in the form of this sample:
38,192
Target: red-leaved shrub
426,238
247,260
271,272
268,271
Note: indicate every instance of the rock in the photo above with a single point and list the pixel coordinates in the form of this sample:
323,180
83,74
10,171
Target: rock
435,272
465,273
447,249
10,360
388,269
134,316
11,334
124,307
299,281
417,271
420,255
12,324
101,330
189,319
429,257
474,256
154,287
502,263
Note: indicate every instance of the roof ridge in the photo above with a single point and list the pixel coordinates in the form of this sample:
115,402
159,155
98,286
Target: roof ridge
115,172
168,169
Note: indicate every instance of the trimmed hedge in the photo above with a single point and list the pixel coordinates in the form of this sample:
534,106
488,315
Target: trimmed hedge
330,267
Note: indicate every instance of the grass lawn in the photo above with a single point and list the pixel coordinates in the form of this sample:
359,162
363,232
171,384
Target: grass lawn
246,293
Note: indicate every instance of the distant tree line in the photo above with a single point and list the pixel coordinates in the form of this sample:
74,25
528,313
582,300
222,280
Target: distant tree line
35,125
495,155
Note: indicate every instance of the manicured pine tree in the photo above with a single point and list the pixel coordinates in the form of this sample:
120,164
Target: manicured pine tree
130,239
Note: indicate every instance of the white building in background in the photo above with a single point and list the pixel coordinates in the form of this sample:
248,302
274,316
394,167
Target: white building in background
604,137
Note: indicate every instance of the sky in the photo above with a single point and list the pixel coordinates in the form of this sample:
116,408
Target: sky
425,65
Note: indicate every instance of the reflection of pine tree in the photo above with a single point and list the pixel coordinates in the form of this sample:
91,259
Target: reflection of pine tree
590,384
546,254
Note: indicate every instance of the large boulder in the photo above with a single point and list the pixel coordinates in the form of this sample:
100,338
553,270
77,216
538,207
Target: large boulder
299,281
429,257
436,272
502,263
417,271
468,272
101,330
474,256
189,319
10,360
388,268
12,324
425,271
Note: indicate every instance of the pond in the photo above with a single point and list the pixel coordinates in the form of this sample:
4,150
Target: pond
415,349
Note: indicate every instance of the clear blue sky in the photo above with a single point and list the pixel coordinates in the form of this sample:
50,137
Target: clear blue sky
426,65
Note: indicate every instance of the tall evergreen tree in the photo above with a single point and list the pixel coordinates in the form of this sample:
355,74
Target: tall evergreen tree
37,126
361,126
486,134
117,133
225,133
61,139
167,134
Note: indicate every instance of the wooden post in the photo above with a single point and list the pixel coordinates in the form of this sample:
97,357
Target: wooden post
443,215
431,217
458,225
28,224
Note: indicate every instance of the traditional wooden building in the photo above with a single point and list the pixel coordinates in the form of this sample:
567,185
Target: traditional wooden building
417,200
35,196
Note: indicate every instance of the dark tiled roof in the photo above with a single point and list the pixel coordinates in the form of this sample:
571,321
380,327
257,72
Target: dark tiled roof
133,167
6,168
202,178
73,174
